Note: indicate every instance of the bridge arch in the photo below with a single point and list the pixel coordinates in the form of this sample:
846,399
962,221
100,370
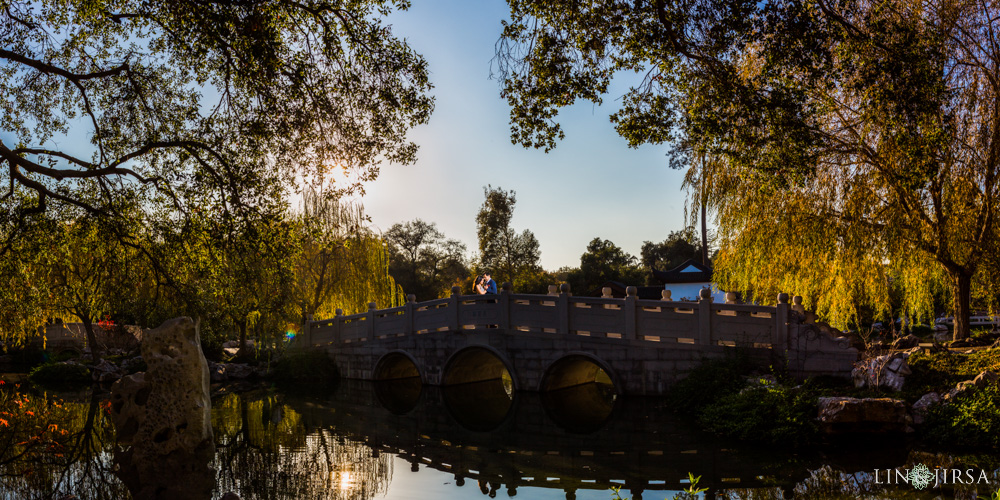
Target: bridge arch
578,368
478,363
396,364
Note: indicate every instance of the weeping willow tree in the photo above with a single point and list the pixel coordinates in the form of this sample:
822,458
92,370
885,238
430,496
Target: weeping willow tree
860,138
814,241
886,180
342,263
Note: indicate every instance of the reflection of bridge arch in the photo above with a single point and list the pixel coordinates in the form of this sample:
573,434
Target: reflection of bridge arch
396,364
478,363
578,368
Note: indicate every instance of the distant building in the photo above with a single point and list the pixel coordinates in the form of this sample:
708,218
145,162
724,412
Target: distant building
687,280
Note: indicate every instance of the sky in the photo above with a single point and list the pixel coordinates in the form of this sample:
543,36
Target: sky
591,185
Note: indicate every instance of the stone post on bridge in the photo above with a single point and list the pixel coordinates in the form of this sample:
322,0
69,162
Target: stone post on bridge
631,295
453,314
337,317
504,304
781,322
370,319
410,301
562,306
705,317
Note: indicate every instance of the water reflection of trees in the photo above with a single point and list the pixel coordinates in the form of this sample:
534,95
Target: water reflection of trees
265,450
53,447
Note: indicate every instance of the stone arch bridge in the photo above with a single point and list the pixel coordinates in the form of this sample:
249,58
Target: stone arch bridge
549,342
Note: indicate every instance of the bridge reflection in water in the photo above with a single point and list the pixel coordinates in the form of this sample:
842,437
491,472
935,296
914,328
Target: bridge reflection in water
578,438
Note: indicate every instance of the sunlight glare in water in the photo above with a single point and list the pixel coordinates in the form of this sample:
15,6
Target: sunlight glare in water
346,481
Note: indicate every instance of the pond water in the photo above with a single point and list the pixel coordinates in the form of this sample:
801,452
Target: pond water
399,440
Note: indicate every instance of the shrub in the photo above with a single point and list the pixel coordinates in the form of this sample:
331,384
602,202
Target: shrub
710,381
313,366
211,342
939,371
26,356
972,419
60,375
772,414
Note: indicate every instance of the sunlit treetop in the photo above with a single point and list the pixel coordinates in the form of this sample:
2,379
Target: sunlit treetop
198,101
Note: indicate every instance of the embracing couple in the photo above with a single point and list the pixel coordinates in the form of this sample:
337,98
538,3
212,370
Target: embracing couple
485,284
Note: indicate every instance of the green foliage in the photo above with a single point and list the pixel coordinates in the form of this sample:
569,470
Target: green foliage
506,254
423,262
835,144
940,371
770,413
972,419
675,250
301,90
28,355
60,375
211,342
711,381
602,262
312,367
342,263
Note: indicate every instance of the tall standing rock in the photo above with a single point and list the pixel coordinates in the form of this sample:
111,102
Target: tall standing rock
163,417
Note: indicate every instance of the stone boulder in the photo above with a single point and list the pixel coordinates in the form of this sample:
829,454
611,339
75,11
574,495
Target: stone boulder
906,342
869,415
920,408
942,336
221,372
106,371
983,379
888,370
231,347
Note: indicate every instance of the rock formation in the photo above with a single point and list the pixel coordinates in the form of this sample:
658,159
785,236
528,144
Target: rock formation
163,417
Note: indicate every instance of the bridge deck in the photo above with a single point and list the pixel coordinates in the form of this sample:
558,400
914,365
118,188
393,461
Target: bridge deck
644,345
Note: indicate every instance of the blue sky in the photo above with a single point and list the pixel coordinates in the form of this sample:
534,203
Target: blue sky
591,185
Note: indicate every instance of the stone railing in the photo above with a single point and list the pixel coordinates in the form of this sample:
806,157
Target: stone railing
560,313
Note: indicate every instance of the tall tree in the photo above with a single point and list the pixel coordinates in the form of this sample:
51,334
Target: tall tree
858,141
502,251
602,262
190,96
423,261
679,246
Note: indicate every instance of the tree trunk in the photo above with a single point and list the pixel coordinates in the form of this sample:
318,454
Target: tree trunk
243,339
704,235
961,289
95,350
